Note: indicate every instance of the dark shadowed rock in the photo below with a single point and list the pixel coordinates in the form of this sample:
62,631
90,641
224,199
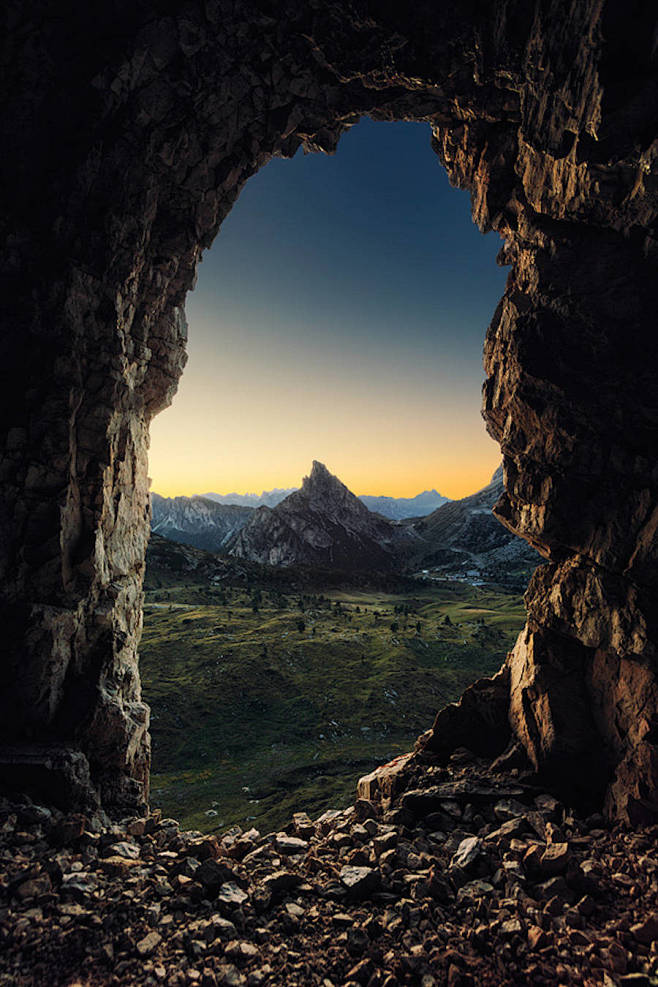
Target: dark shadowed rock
479,721
424,800
212,874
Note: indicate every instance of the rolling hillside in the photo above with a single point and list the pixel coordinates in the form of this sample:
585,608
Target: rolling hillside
266,698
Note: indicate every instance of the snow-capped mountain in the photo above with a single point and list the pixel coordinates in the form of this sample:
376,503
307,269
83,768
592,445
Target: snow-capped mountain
324,524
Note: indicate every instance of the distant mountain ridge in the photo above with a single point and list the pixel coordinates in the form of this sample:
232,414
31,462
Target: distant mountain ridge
395,508
323,523
398,508
268,498
197,521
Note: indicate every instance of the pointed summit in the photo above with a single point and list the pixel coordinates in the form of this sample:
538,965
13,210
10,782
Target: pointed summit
319,474
322,487
323,523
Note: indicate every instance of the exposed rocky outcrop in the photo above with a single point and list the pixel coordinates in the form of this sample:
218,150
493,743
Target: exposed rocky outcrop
321,524
128,131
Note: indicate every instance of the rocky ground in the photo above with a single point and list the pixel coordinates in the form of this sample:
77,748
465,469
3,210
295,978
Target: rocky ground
436,875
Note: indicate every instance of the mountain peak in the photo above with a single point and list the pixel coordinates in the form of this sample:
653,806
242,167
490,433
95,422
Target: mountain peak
319,478
319,469
323,523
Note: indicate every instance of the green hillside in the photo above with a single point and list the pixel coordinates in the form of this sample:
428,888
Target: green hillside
265,701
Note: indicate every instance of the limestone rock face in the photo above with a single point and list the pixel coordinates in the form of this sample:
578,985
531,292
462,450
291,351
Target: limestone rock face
128,132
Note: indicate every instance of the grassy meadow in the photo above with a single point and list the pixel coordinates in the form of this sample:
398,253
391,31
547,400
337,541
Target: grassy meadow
266,701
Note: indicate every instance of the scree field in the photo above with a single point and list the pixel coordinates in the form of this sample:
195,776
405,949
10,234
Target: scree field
267,702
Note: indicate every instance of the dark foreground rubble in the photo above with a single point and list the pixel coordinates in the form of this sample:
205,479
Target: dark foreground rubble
437,875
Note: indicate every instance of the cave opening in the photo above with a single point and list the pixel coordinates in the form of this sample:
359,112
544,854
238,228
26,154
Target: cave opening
127,132
338,316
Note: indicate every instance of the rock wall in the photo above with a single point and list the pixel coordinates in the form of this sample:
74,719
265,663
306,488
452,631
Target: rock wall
129,133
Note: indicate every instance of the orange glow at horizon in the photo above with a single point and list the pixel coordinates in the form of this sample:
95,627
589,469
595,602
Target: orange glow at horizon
449,480
381,430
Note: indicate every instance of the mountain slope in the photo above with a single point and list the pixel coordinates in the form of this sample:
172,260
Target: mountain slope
197,521
324,524
463,536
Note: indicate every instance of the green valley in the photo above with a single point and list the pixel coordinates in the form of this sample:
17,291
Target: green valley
269,698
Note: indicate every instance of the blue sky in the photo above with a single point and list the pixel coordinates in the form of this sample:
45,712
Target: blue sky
340,316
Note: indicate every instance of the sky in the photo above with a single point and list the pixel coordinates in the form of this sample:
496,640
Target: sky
340,316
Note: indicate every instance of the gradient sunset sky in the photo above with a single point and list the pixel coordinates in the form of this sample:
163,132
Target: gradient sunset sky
339,316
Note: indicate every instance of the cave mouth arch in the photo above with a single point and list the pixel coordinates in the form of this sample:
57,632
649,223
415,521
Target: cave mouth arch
137,143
